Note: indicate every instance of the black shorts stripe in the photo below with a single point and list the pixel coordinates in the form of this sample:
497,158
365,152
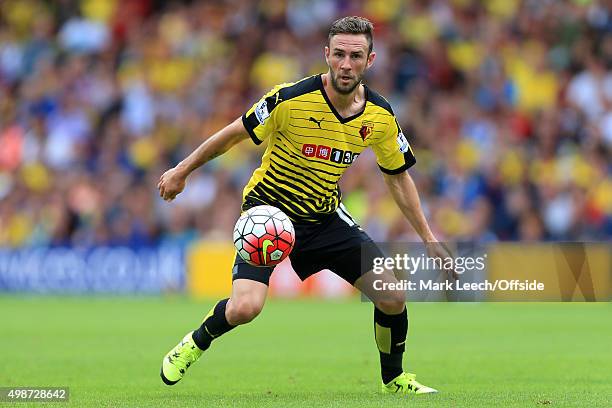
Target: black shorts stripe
346,213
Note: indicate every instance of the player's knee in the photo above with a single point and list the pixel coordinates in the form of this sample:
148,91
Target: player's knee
392,305
243,310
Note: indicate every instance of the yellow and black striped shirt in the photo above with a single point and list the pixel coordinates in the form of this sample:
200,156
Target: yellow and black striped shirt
310,146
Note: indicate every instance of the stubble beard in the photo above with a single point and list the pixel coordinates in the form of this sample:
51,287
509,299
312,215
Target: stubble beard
344,90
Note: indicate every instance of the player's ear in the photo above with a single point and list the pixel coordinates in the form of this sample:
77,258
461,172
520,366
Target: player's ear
371,59
327,54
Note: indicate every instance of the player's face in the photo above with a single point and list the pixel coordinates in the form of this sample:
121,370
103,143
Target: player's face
348,59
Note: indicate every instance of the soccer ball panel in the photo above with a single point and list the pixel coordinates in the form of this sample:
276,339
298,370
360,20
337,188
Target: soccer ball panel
278,224
276,255
241,223
260,219
270,227
244,255
286,236
238,243
287,225
248,226
250,243
283,245
256,259
259,230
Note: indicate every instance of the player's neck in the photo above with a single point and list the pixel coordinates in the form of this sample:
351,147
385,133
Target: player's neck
346,104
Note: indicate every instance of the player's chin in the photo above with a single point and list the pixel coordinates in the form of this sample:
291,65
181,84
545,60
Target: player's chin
346,87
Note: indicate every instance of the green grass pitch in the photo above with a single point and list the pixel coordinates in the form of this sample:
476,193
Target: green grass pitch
307,353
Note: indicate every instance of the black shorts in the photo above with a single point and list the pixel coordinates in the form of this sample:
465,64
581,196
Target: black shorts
337,244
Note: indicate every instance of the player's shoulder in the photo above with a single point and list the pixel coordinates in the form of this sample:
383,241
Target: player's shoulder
304,86
378,100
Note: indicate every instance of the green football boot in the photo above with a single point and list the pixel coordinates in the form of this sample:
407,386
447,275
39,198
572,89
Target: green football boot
179,359
406,383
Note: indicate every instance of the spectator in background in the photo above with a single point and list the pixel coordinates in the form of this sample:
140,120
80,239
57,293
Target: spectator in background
97,98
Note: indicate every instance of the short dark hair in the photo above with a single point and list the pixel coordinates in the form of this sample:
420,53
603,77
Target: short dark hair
352,25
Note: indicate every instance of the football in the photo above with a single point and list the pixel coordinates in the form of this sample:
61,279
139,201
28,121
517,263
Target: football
264,236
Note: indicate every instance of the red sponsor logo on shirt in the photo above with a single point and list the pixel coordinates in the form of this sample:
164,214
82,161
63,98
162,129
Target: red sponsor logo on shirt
328,153
309,150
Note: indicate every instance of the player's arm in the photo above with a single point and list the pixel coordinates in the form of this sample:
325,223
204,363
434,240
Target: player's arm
172,182
405,194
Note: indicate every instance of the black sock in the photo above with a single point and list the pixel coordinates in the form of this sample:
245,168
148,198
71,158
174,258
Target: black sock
390,332
214,325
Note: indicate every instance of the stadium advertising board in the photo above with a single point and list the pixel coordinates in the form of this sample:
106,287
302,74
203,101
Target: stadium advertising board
92,270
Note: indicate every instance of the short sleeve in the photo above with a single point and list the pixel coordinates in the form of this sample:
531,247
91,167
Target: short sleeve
266,116
393,152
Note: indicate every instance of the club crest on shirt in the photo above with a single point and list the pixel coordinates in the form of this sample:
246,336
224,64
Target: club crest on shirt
366,130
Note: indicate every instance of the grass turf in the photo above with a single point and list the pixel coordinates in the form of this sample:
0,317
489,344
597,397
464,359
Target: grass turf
305,353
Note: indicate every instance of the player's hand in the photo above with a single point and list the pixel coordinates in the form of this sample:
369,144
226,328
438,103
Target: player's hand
171,183
437,249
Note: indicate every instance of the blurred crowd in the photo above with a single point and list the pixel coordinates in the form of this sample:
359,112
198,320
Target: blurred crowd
507,104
